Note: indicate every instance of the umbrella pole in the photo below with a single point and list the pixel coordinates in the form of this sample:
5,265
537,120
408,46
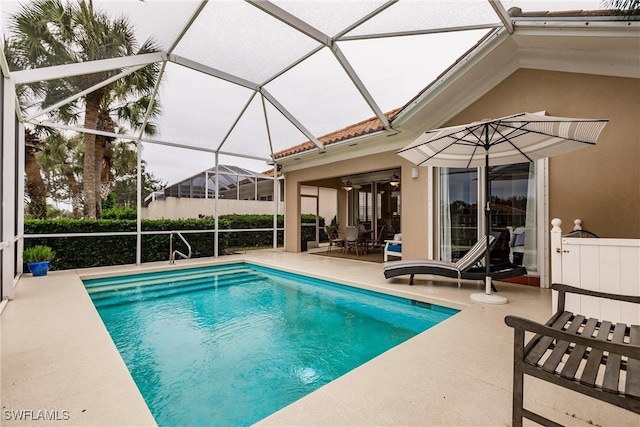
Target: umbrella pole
487,297
487,221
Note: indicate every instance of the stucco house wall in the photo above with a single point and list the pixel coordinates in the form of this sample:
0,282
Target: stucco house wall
601,184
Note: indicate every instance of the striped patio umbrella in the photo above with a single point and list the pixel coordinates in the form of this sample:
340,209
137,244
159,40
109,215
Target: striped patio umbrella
523,137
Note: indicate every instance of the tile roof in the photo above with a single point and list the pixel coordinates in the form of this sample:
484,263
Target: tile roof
364,127
271,171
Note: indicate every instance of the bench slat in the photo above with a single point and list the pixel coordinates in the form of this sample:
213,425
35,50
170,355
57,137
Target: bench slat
551,364
543,344
594,360
577,354
612,371
632,387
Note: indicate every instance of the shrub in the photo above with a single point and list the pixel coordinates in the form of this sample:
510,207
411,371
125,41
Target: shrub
120,213
38,253
98,251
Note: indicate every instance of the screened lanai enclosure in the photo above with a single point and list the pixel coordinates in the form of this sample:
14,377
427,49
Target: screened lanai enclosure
233,183
125,96
240,191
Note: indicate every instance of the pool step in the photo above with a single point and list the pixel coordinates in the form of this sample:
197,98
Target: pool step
125,282
164,275
128,293
141,293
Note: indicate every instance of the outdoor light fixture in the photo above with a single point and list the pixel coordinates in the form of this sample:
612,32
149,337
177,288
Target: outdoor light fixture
347,185
395,179
415,172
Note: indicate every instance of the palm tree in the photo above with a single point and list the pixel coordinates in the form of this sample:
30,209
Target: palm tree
35,187
119,111
50,32
630,7
60,158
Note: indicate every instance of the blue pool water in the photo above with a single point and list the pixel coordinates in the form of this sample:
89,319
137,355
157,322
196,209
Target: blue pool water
230,345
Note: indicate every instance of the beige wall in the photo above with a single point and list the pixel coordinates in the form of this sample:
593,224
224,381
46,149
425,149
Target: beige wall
184,207
601,184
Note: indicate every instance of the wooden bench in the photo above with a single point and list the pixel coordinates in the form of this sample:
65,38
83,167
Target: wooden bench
594,357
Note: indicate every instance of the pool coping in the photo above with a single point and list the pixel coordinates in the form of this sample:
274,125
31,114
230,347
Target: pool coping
58,356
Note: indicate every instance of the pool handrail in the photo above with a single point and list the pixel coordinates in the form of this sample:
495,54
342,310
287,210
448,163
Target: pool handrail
172,253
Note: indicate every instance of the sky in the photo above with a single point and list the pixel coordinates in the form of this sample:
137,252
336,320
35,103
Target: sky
234,37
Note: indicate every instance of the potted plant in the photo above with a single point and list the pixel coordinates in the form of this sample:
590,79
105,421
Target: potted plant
38,259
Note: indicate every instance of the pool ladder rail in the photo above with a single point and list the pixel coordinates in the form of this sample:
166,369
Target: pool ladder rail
172,253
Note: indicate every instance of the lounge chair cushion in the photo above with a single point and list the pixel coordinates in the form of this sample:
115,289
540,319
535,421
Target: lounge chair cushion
394,248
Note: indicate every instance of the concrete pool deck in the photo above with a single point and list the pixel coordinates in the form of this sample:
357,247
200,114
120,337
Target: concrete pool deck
60,366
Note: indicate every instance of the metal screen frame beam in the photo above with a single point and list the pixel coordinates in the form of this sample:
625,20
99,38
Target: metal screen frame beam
188,25
366,18
85,92
346,66
197,66
499,9
89,67
9,134
317,35
149,140
266,122
292,21
236,121
294,121
420,32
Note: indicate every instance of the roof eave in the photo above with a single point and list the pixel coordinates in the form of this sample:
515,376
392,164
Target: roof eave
303,155
500,42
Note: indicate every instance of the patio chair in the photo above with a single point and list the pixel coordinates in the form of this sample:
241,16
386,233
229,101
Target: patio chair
393,247
379,242
467,267
351,239
332,234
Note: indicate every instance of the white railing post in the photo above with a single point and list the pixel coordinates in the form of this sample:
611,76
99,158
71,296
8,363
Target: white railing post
556,258
556,251
577,224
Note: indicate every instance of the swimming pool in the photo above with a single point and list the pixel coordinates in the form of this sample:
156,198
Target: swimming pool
232,344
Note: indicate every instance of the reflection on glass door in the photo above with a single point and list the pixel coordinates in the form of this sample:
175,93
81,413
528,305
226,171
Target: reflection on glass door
513,213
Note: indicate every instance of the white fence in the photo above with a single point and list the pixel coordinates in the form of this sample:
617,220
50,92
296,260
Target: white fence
606,265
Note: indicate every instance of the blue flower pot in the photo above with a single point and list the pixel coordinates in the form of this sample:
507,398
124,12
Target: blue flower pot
39,268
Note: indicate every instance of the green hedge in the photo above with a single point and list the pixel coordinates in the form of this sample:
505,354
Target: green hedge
120,213
99,251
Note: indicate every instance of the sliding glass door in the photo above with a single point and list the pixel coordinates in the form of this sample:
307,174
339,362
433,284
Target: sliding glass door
513,213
